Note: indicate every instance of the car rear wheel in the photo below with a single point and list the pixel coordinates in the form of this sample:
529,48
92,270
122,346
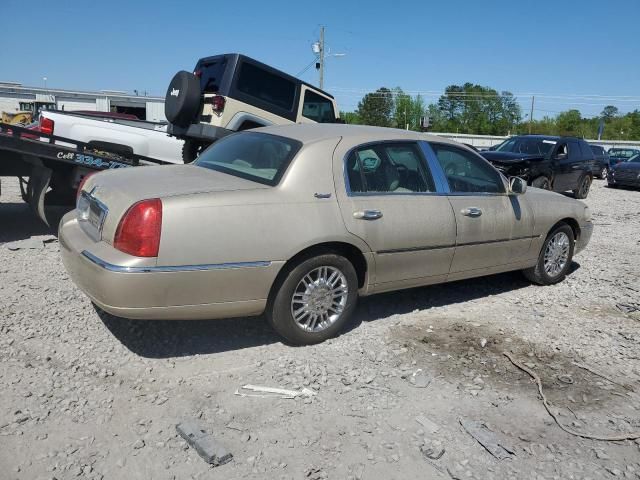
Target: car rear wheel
314,299
555,257
583,188
541,182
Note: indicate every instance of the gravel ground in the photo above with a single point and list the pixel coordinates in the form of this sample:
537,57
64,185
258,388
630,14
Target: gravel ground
91,396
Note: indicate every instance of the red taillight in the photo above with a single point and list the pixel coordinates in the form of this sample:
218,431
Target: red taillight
82,182
138,233
217,103
46,125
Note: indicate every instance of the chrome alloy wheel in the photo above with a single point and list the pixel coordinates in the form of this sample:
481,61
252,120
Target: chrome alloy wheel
319,299
556,254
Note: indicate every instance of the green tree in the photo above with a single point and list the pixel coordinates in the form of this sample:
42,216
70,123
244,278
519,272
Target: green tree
350,118
569,123
609,112
376,108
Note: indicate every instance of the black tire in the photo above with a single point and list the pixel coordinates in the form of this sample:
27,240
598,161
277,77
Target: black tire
279,311
541,182
182,101
191,150
538,274
584,184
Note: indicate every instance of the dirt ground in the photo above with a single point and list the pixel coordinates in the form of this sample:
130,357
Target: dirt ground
85,395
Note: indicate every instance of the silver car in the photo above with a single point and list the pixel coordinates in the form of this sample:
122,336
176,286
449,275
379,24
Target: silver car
298,221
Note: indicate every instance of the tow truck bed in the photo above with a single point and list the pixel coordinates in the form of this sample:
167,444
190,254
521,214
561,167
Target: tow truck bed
28,153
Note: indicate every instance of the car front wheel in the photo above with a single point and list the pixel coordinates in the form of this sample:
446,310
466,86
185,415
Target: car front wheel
555,257
314,299
603,173
541,182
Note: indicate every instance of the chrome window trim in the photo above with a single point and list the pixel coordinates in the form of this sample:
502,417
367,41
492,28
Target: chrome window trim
427,167
171,268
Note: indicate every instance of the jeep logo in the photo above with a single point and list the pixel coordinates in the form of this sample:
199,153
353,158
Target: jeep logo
175,92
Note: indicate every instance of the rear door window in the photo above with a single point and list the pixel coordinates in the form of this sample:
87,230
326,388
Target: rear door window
574,150
587,154
266,86
318,108
388,168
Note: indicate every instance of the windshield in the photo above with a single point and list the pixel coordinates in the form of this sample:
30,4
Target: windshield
255,156
530,146
622,153
635,158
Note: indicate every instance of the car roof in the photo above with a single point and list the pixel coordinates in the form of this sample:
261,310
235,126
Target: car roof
356,134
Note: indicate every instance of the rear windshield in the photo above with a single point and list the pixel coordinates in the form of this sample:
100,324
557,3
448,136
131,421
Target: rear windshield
622,153
530,146
210,74
259,157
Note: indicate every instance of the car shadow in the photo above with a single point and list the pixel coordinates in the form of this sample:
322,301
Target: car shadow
180,338
19,222
384,305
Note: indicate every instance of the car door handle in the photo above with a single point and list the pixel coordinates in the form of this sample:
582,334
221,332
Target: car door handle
471,212
367,214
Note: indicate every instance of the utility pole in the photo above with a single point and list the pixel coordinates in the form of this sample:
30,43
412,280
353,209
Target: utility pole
321,57
533,99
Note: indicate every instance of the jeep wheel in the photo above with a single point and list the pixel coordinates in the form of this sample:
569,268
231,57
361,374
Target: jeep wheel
191,150
583,188
541,182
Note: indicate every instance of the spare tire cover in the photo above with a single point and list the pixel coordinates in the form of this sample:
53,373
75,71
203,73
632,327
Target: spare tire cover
182,101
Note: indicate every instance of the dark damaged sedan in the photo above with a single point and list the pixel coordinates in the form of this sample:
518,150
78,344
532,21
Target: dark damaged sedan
625,174
553,163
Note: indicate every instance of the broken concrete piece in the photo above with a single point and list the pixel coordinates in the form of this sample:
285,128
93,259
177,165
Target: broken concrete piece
273,392
487,439
207,447
429,426
419,379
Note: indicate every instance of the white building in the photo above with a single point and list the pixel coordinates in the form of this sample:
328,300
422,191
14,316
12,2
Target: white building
145,108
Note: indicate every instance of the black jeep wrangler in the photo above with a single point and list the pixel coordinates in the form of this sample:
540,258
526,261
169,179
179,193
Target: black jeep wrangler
553,163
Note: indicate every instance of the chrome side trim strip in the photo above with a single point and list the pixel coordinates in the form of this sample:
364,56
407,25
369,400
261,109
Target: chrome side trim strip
468,244
171,268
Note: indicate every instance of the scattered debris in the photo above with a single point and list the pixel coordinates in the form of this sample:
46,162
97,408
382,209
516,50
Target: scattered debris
204,443
564,378
271,392
547,406
487,439
419,379
432,452
627,307
429,426
483,342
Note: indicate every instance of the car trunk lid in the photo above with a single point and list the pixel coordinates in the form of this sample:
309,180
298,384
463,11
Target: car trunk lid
108,195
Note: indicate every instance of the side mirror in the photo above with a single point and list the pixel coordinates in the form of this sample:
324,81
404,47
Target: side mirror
560,156
517,185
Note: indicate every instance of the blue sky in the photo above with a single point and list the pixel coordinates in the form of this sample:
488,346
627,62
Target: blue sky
575,54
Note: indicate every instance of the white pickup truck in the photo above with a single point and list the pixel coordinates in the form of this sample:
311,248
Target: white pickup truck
124,136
